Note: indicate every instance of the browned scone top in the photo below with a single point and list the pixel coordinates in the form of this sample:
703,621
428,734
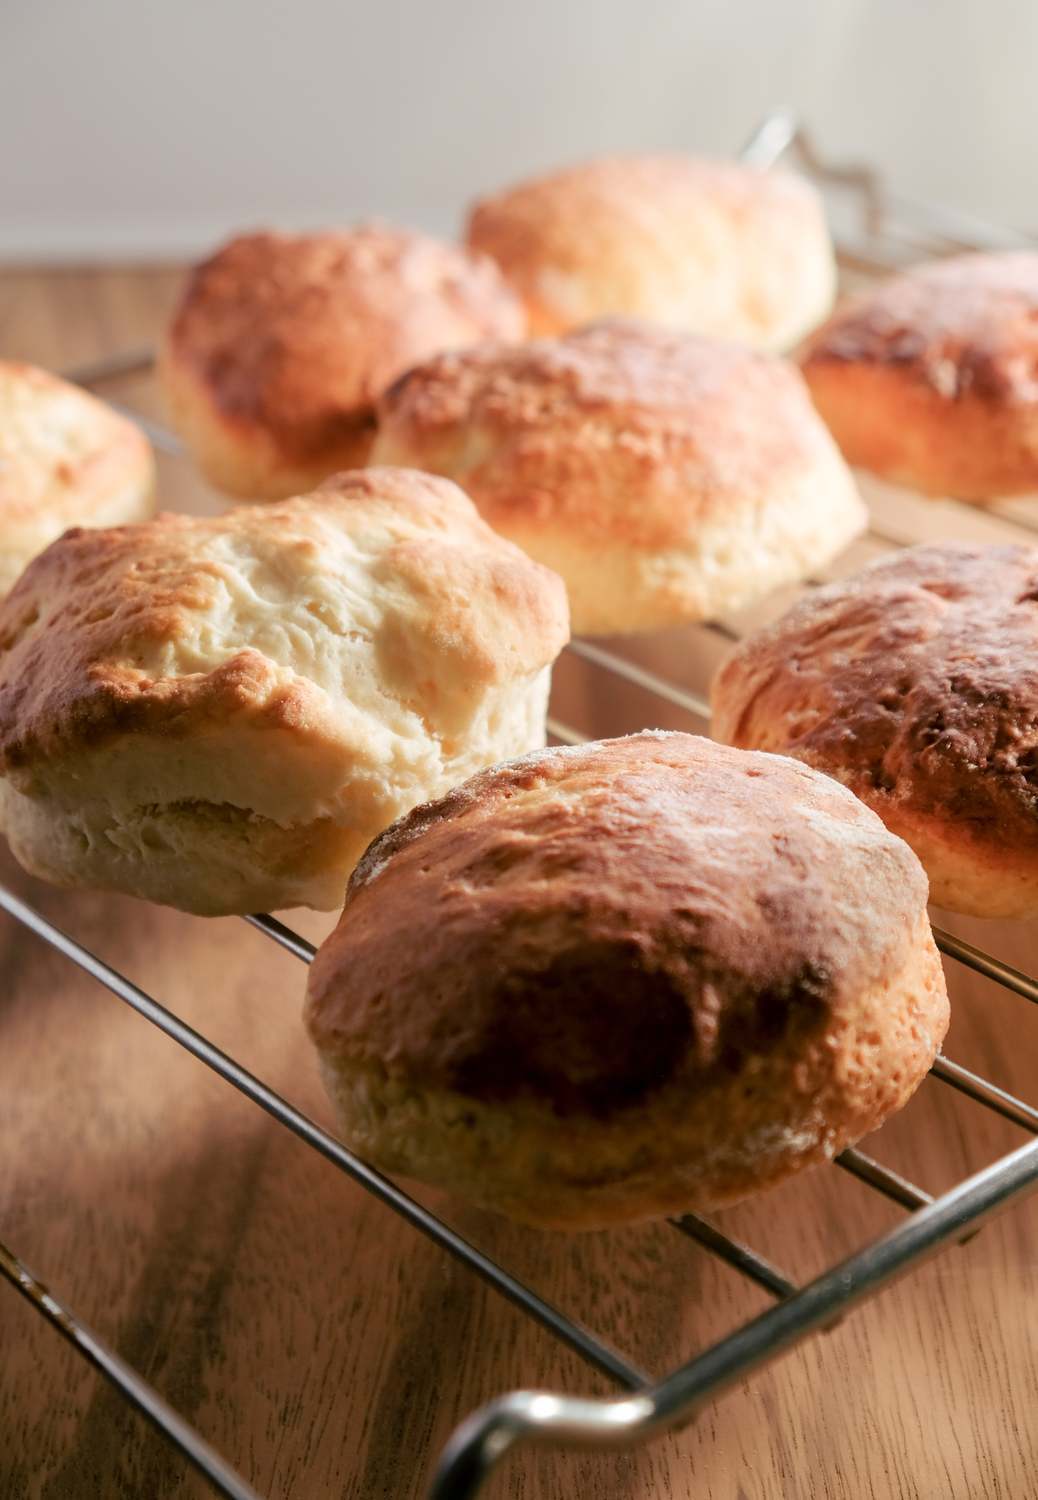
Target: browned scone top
931,379
664,475
173,693
622,428
915,683
662,950
281,344
704,246
191,618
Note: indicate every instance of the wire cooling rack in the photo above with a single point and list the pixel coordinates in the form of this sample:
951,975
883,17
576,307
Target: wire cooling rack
881,232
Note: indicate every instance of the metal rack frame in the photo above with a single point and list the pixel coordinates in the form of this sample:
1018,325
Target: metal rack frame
892,230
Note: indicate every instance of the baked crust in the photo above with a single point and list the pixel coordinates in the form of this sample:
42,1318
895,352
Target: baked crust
931,379
625,444
281,344
66,459
325,662
706,967
703,246
915,683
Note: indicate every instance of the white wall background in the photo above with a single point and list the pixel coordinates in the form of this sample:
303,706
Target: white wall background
130,128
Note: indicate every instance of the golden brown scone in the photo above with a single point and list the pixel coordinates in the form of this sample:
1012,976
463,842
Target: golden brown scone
220,714
916,684
931,380
281,343
666,477
66,459
627,979
703,246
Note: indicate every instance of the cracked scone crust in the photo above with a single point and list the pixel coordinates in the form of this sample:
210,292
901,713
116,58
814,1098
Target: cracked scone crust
617,981
281,344
916,684
701,246
931,379
66,459
220,714
666,477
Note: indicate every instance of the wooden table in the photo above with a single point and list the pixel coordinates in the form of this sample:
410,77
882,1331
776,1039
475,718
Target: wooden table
322,1345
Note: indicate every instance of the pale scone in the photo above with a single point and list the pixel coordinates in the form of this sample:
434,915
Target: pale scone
666,477
703,246
281,344
220,714
625,980
66,459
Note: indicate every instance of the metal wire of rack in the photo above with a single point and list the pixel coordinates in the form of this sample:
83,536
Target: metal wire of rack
892,230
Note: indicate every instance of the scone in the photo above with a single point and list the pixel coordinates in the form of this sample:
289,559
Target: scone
66,459
666,477
220,714
703,246
625,980
916,684
931,379
281,344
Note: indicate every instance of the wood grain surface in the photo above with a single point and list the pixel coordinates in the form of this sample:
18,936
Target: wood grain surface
321,1344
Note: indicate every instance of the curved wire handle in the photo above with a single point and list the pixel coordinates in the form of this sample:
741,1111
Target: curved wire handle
780,133
924,229
484,1438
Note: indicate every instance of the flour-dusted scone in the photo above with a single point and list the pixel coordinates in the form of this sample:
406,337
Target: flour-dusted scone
66,459
930,380
623,980
282,343
703,246
666,477
916,684
220,714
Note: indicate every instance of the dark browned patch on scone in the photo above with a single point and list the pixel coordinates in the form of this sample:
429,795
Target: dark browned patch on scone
599,1028
917,680
597,1031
